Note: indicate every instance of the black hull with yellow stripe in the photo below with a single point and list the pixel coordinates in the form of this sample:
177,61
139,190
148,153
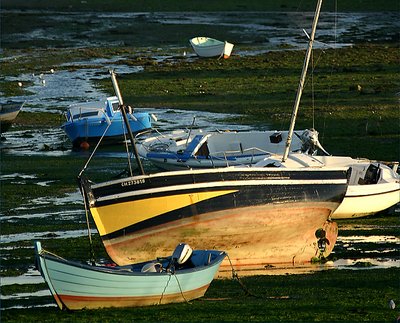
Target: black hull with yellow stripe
258,215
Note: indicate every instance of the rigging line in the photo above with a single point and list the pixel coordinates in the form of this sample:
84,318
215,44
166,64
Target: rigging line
312,90
88,226
95,148
332,63
127,149
156,138
314,64
44,252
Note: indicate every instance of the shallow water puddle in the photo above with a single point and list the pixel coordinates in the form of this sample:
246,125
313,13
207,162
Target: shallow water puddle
32,276
18,307
169,119
17,178
265,28
74,198
364,263
54,91
340,264
364,227
53,141
64,214
40,293
27,211
31,236
50,142
364,239
16,175
360,245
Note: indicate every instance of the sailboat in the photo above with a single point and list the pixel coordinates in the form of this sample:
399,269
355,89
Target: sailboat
185,149
374,186
258,215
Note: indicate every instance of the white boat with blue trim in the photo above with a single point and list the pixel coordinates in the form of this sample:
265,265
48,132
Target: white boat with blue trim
210,47
185,149
373,186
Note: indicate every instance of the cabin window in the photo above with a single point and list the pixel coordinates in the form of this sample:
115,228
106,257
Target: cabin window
371,175
85,115
115,106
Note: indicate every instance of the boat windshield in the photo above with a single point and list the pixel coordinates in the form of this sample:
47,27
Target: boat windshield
115,106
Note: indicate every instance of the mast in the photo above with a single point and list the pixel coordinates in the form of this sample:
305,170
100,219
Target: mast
128,127
301,83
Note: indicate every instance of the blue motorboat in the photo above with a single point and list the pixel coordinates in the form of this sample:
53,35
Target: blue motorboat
88,122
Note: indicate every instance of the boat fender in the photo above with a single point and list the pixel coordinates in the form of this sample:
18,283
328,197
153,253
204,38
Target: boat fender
152,267
84,145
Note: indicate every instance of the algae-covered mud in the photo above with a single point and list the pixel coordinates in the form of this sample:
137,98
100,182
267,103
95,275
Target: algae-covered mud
267,30
196,6
56,58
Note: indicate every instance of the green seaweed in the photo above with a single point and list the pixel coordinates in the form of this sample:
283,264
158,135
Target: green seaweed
353,106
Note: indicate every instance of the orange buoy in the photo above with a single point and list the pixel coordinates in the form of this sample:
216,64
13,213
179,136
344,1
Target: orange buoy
84,145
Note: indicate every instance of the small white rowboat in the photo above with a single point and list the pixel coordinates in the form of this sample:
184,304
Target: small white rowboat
210,47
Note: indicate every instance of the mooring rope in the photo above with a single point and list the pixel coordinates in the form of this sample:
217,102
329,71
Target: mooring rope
179,285
235,276
128,153
183,296
95,148
165,288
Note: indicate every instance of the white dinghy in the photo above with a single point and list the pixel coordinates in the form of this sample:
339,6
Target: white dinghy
210,47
